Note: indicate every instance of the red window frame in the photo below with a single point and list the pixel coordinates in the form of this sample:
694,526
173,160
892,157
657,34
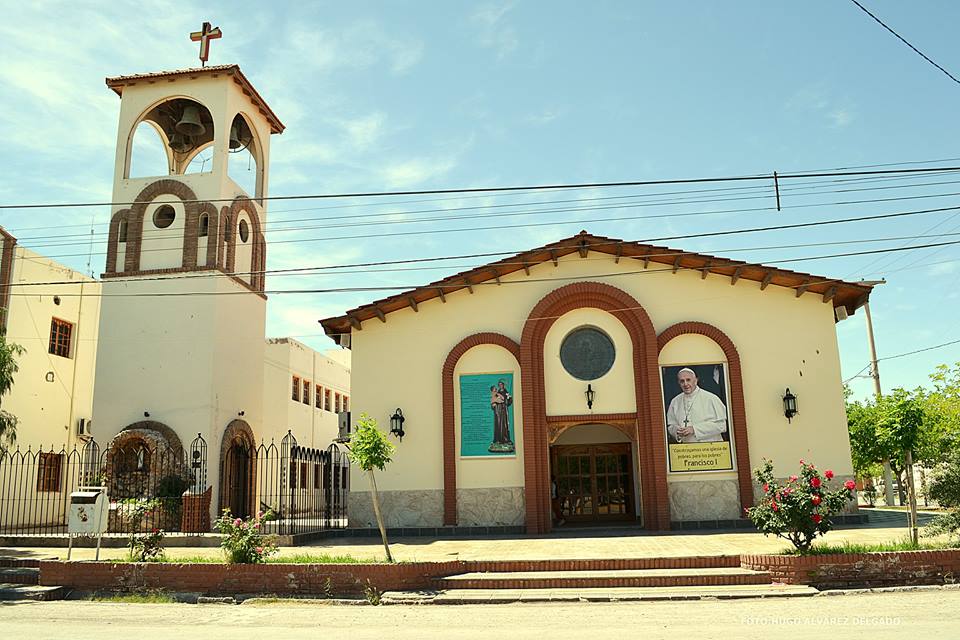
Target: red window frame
61,335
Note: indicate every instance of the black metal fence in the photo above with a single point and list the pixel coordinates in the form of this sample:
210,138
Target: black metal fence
157,487
146,487
304,489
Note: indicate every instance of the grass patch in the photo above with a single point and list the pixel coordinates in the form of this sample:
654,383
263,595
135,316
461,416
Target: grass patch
293,558
323,558
137,597
853,547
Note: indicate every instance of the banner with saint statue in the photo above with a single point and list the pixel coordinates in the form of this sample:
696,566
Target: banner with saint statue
697,419
486,415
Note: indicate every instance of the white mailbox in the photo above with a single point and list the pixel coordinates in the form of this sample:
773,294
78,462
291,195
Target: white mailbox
88,515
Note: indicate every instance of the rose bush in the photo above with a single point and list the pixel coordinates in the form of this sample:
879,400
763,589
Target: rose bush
243,539
800,509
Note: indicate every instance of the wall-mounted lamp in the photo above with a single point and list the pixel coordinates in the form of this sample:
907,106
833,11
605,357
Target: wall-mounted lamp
789,405
591,394
50,377
146,414
396,424
240,413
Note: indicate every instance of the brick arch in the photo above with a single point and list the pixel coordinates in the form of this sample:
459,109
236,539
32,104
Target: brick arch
651,444
449,413
153,190
737,406
258,254
113,238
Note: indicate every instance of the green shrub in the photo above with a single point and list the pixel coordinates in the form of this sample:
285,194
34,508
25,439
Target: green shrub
802,508
243,539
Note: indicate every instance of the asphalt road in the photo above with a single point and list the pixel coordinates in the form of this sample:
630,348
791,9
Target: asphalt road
875,616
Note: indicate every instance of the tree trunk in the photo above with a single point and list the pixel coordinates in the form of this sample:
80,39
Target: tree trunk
376,511
913,498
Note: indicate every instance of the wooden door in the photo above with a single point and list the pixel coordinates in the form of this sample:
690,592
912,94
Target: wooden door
594,482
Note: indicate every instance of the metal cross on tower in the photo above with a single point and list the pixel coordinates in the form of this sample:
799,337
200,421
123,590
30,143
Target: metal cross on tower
204,36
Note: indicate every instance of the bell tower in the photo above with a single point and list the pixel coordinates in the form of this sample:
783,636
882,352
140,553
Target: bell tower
181,343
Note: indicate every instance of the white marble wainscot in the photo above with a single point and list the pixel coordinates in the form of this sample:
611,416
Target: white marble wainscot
423,508
704,500
494,507
830,485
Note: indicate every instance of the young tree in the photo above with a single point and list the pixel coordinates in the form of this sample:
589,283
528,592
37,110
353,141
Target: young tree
369,450
8,368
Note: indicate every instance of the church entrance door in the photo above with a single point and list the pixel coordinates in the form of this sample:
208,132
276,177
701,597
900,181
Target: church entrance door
594,482
238,480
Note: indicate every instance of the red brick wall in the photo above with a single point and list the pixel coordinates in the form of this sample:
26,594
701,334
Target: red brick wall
860,569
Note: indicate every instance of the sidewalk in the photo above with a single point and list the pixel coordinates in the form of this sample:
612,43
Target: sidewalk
565,543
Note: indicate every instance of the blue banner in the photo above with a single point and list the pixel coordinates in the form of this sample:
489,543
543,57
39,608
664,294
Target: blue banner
486,415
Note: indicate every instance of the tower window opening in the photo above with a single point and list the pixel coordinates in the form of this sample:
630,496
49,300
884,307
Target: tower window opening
244,231
204,225
164,216
122,236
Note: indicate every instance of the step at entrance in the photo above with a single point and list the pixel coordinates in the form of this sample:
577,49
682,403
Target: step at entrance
9,591
723,576
19,575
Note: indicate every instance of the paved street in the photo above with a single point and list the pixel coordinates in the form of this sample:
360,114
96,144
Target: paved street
876,616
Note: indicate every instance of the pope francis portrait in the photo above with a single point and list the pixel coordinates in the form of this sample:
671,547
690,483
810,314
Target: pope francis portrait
695,415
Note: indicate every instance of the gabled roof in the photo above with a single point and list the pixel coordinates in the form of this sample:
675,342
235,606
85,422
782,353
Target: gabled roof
849,295
119,82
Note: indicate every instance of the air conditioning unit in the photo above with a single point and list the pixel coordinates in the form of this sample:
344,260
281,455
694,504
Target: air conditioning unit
345,427
83,427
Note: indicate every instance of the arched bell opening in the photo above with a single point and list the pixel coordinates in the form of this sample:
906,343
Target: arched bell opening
184,132
244,164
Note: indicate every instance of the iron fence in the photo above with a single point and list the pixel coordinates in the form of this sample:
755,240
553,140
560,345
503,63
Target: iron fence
157,487
304,489
148,488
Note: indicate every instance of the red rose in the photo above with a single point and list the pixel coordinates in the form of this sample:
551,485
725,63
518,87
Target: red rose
775,506
766,488
828,474
815,499
817,518
815,482
793,478
850,485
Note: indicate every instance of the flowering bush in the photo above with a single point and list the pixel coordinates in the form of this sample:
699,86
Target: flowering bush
800,509
243,540
148,547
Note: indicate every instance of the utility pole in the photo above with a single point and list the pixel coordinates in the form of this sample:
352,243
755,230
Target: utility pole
875,374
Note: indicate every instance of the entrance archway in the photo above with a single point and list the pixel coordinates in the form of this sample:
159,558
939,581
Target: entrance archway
238,470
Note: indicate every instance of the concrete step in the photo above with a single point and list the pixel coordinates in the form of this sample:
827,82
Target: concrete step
10,591
608,564
19,575
14,561
606,579
622,594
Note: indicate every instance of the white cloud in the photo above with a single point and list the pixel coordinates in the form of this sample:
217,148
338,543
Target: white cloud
835,112
494,33
415,171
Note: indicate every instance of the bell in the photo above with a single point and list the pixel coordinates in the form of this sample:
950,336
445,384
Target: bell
190,124
235,143
180,143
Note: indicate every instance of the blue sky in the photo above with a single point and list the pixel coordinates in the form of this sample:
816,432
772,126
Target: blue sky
419,95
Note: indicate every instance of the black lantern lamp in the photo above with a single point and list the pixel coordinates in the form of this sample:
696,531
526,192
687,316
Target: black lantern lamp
396,424
591,394
789,405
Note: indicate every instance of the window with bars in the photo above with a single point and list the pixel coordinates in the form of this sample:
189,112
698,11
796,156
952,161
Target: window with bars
306,392
48,472
336,402
346,403
60,333
326,399
296,389
318,397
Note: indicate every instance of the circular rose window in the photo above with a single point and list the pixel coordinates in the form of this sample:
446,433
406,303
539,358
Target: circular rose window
244,231
164,216
587,353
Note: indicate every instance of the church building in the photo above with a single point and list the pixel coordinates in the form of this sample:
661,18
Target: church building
597,380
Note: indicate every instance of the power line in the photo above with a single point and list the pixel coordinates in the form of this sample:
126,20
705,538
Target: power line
512,189
902,355
901,39
486,283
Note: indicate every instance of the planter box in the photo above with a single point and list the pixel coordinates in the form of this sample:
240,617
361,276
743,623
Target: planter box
887,568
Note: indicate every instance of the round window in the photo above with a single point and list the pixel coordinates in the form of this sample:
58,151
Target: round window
164,216
587,353
244,231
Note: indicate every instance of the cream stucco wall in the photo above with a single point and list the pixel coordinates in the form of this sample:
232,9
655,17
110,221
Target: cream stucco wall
783,340
49,409
312,426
